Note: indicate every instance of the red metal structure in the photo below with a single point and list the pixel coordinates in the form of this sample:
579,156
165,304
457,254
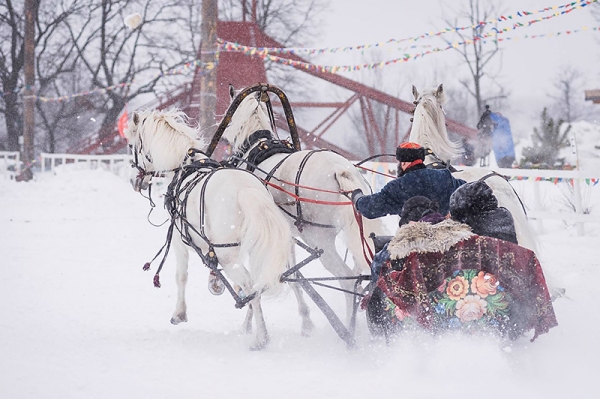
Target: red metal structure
243,70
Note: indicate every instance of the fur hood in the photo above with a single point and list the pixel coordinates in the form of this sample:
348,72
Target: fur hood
424,237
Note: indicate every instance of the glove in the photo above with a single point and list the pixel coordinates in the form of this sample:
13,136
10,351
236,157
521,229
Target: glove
356,195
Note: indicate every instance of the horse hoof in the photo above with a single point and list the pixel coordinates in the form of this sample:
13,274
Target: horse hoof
178,319
307,329
260,345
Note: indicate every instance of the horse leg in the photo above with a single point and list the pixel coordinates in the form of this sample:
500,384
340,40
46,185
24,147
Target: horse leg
303,310
333,262
247,326
181,276
261,338
241,277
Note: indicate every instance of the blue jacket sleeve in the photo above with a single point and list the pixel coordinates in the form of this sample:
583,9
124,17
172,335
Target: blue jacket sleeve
388,201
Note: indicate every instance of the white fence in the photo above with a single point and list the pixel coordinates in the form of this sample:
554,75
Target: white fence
578,181
50,162
10,163
532,185
540,203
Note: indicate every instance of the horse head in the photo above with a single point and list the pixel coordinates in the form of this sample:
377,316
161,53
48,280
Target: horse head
159,142
429,123
250,116
438,93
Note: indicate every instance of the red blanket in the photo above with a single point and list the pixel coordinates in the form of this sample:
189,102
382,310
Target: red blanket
479,279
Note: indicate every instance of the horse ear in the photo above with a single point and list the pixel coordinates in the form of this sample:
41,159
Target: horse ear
439,91
231,91
136,118
415,92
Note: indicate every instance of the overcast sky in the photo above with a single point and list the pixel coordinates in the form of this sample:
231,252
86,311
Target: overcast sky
528,67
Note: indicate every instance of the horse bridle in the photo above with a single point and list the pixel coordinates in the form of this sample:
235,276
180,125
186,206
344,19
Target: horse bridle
135,163
142,172
417,102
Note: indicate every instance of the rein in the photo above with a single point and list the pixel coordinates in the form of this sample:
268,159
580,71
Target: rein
493,173
299,220
322,190
309,200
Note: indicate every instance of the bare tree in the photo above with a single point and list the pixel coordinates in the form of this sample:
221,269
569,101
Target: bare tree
569,104
122,62
476,55
12,31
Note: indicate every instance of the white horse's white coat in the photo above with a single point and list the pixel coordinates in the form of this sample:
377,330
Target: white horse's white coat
324,170
237,209
429,130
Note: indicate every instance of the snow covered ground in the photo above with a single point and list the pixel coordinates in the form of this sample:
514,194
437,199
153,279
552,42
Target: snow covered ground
80,319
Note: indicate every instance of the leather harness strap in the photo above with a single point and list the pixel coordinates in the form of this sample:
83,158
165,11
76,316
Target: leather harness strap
299,223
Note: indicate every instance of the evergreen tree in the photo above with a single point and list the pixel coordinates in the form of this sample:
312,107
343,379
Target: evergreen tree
548,140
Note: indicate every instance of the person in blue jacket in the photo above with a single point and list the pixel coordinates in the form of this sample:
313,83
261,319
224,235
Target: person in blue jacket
414,179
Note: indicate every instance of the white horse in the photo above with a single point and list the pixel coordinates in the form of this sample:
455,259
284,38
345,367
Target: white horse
429,130
323,211
227,206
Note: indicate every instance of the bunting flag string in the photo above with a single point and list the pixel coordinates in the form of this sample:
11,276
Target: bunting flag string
556,11
264,54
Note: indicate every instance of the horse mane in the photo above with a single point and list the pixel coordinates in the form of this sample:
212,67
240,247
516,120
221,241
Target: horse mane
250,116
166,136
429,126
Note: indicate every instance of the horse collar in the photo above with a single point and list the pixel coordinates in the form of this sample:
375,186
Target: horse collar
253,139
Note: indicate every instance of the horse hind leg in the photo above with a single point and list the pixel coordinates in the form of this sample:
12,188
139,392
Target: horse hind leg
333,262
261,337
247,326
240,276
181,277
307,324
303,310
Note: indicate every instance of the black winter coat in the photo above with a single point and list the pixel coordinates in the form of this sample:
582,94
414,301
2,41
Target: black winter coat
476,205
497,223
435,184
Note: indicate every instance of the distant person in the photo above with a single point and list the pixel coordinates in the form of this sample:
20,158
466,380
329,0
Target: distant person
484,136
476,205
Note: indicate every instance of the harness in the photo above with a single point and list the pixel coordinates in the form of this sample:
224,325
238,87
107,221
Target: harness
493,173
438,163
260,146
186,179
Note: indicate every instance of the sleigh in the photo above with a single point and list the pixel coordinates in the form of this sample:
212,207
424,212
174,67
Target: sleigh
470,283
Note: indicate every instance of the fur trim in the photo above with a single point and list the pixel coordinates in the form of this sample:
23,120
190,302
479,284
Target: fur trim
424,237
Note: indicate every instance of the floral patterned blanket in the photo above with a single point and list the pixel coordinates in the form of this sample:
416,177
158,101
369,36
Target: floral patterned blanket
479,283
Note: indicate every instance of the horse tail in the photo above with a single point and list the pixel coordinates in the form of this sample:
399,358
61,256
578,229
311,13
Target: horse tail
265,237
350,180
